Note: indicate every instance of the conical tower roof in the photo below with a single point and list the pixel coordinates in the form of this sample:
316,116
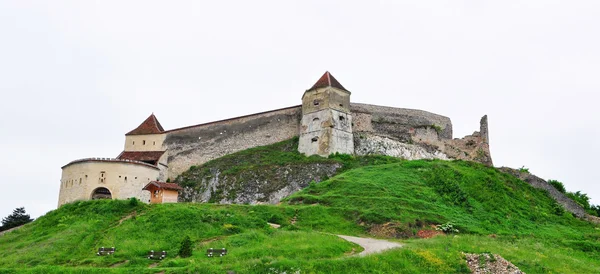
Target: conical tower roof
327,80
149,126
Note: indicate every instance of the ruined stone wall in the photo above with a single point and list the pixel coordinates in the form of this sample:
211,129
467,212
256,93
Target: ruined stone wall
400,124
474,147
415,134
196,145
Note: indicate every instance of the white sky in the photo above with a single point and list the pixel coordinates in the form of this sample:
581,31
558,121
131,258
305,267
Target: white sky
75,76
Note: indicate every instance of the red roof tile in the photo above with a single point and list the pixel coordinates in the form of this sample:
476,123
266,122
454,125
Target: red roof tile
149,126
327,80
142,156
162,185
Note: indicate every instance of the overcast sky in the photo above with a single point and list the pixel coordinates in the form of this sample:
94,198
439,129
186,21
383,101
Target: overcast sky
75,76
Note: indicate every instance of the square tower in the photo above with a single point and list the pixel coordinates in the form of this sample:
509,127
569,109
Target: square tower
326,125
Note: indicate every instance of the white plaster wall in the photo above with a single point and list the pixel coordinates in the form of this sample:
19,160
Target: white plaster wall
154,142
124,180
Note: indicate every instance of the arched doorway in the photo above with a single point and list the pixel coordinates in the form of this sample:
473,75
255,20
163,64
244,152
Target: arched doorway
101,193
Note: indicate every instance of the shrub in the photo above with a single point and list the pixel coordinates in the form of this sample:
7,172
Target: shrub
133,202
558,185
446,228
523,169
558,209
186,247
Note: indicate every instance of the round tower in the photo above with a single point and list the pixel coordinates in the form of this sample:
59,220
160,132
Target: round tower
326,125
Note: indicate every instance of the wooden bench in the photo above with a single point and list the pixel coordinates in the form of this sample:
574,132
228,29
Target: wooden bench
211,252
157,255
105,251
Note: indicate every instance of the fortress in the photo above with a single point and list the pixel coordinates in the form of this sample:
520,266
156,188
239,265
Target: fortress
326,122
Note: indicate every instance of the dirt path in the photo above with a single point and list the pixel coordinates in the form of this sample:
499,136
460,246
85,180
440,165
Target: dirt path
371,245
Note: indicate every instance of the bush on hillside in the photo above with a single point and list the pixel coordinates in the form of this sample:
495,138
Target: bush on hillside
580,198
558,185
186,247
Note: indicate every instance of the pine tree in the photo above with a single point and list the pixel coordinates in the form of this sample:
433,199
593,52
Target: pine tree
17,218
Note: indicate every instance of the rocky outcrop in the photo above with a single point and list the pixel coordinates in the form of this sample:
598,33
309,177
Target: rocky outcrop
490,263
367,144
540,183
266,184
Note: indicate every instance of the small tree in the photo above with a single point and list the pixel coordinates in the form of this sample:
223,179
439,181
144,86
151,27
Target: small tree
186,247
17,218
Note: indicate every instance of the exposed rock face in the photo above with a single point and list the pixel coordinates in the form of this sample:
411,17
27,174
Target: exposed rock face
367,144
255,186
540,183
490,263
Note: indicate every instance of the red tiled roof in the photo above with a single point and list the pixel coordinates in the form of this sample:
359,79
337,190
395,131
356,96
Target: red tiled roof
327,80
149,126
141,155
163,185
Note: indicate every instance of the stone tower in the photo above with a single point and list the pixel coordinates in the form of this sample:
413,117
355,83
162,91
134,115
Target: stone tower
326,125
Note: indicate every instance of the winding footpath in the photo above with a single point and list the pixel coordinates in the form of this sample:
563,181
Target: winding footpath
370,245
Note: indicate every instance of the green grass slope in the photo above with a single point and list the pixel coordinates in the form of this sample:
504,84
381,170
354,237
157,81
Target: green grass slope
373,197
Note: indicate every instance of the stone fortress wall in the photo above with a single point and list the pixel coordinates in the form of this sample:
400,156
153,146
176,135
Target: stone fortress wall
377,130
326,122
199,144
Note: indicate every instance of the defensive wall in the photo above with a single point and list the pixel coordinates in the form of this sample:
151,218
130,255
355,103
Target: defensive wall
416,129
198,144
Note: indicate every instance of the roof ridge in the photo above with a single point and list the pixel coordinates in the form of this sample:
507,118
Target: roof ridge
149,126
327,80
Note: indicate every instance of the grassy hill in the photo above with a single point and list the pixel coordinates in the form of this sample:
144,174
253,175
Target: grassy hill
371,197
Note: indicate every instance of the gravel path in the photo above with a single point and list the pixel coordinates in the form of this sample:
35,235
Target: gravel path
371,245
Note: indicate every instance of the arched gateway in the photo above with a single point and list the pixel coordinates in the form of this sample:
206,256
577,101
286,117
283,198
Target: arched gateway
101,193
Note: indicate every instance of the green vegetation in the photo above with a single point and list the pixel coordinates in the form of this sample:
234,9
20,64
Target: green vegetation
558,185
17,218
580,198
371,197
186,247
279,154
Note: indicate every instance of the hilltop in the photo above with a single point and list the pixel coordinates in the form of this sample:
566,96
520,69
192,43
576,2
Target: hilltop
370,196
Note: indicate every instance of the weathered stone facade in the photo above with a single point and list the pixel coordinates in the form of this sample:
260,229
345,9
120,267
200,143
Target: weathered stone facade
326,122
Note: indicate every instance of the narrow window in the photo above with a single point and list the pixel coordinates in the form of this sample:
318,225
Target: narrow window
79,180
314,139
153,143
144,142
125,178
316,102
133,143
342,118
